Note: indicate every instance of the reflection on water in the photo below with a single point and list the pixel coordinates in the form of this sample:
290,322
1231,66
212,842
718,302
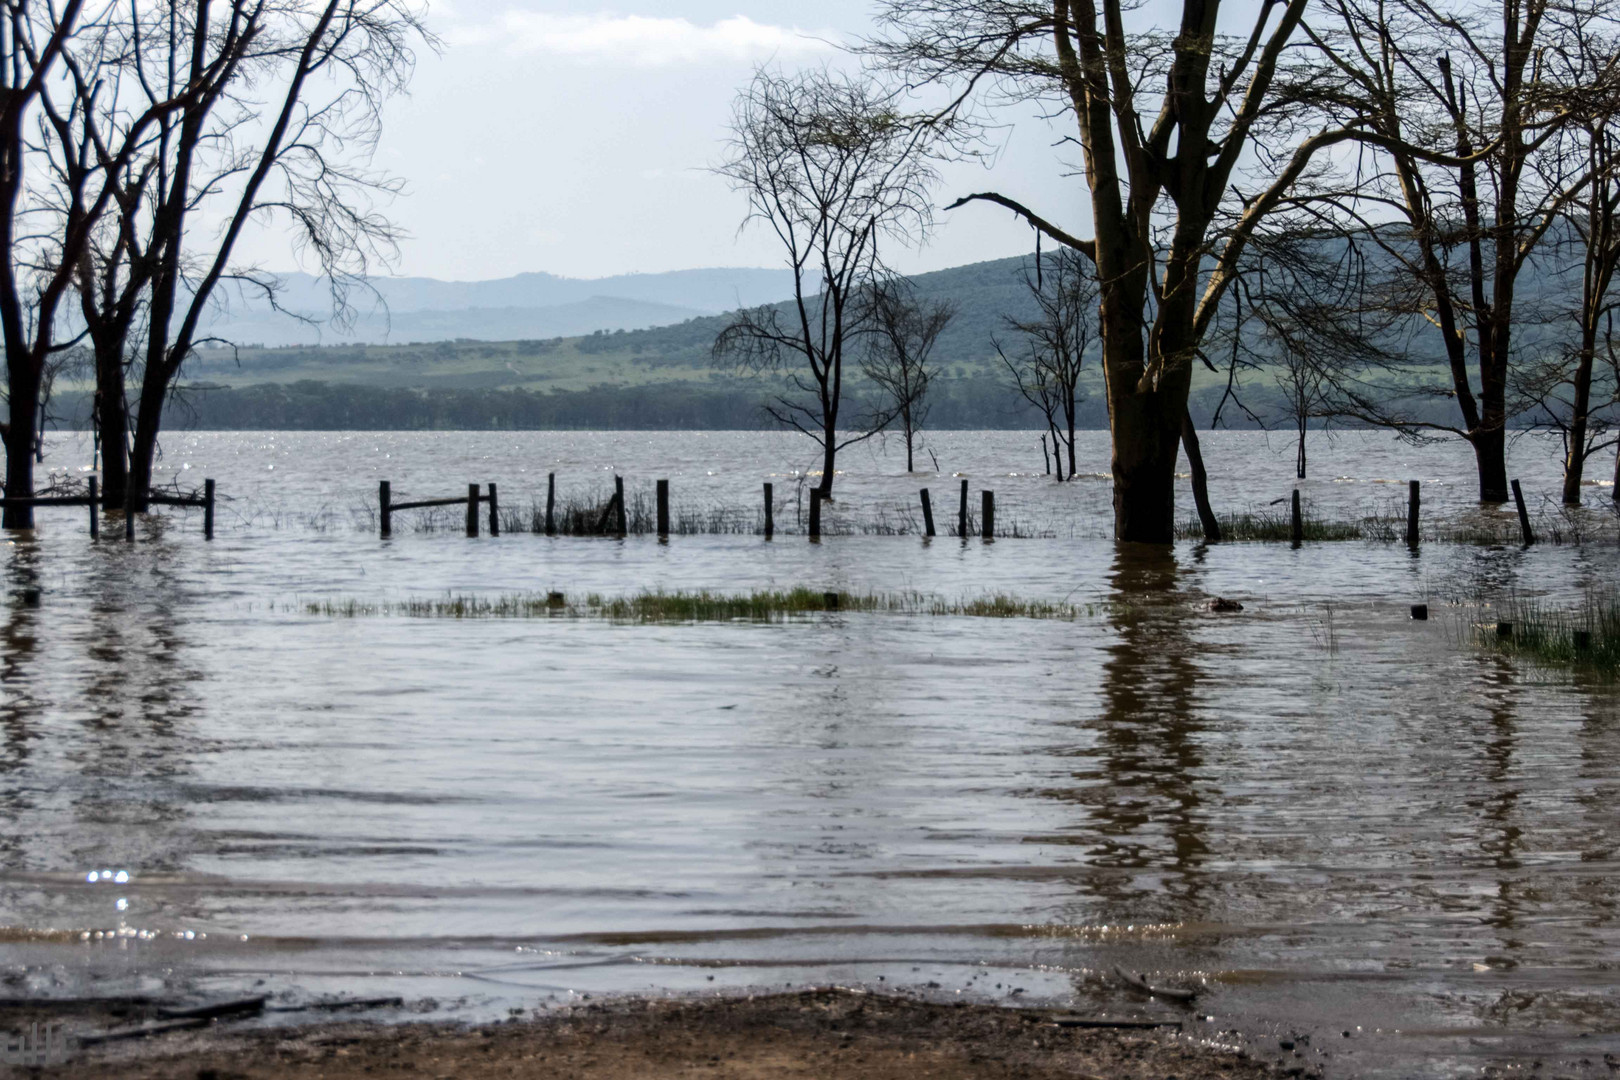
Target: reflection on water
1338,816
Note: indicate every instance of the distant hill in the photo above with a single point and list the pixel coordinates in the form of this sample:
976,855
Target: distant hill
496,367
534,305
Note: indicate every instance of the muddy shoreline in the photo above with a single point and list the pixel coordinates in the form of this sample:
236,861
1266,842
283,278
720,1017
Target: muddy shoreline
825,1033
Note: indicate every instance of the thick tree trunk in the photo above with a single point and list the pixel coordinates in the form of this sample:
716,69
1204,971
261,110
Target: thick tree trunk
112,426
1147,438
1490,456
1200,480
19,443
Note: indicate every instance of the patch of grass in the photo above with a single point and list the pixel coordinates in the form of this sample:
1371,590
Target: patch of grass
1270,527
1585,636
703,606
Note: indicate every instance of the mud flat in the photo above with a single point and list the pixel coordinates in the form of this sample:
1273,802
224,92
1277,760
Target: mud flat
823,1033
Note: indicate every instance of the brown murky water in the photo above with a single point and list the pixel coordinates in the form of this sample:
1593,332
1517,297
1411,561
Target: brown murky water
1342,820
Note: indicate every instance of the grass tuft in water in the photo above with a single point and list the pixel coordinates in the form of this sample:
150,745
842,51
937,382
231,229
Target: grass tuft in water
702,606
1586,636
1278,528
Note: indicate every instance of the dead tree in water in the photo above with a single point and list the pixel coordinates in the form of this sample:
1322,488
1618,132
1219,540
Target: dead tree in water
1056,342
833,168
902,331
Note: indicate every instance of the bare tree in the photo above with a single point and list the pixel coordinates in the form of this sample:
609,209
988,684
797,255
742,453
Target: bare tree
833,167
1565,387
1165,119
902,331
302,166
46,223
1465,120
1047,373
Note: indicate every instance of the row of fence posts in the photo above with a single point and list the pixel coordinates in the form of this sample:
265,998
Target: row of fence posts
1414,502
614,512
92,499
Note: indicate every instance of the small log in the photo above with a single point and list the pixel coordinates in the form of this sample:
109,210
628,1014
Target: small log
770,513
1414,499
663,509
928,514
385,508
218,1008
472,509
95,511
551,504
987,514
140,1032
494,511
1139,983
618,506
815,513
961,514
1524,515
1296,526
208,509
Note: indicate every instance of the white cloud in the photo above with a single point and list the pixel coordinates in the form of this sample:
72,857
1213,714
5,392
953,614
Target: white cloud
640,40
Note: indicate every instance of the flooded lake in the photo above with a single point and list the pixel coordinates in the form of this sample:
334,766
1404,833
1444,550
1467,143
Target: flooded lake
1354,826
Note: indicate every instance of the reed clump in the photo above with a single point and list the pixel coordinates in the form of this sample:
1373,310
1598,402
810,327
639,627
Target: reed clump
768,605
1277,528
1584,636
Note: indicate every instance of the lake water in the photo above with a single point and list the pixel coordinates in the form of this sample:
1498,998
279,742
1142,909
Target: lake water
1343,820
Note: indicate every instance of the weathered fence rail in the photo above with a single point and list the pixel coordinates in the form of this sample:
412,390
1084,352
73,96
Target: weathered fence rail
387,507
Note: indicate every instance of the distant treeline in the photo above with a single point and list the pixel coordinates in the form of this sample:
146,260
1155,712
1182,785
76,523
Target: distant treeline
309,405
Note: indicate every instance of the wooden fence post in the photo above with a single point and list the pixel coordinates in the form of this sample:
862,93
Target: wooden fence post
1296,523
928,514
987,514
961,514
815,513
551,504
1524,515
208,509
770,513
386,514
1413,500
95,510
472,509
663,509
494,511
618,506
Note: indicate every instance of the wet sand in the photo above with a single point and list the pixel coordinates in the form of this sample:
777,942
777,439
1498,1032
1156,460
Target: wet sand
827,1034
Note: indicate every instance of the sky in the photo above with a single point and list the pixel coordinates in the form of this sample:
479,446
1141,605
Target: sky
577,139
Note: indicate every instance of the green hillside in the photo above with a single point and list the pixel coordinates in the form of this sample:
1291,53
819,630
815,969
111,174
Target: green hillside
655,378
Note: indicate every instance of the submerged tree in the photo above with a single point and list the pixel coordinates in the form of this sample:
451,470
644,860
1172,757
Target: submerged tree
327,66
901,331
1164,119
833,167
1463,108
1047,370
